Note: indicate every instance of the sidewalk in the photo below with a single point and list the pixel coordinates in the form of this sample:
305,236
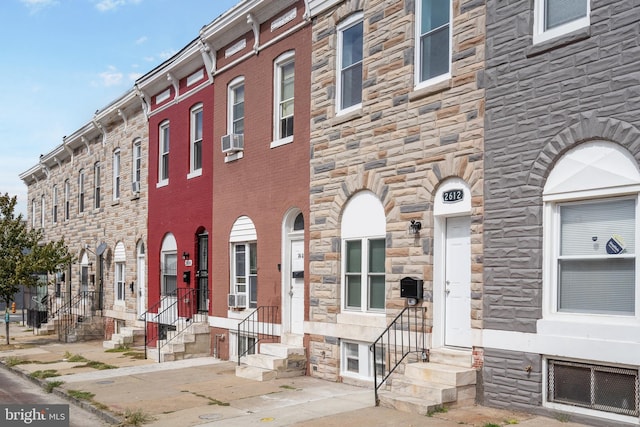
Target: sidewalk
206,392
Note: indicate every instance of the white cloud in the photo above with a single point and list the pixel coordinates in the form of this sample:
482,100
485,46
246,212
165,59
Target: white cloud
134,76
37,5
142,40
107,5
166,54
111,77
149,58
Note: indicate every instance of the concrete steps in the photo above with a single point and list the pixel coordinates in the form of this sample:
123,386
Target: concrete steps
446,380
274,360
192,342
127,337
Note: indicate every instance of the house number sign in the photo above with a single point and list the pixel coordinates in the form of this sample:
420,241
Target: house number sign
453,196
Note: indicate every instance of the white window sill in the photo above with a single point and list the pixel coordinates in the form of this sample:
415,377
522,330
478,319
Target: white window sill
162,183
429,88
281,142
115,202
194,174
371,319
545,44
233,157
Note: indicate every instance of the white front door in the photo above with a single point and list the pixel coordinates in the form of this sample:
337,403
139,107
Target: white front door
141,287
295,291
457,287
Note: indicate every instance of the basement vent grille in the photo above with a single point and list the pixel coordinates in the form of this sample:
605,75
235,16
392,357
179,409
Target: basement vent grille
601,388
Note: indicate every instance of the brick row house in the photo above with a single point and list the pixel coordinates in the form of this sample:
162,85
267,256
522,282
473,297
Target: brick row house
562,297
415,226
91,190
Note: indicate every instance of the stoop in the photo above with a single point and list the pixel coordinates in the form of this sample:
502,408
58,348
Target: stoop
274,360
446,380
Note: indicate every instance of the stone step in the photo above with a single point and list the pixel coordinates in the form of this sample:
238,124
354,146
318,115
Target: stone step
449,356
281,350
442,374
255,373
432,392
293,340
265,361
416,405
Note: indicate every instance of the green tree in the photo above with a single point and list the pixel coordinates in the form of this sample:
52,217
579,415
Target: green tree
22,253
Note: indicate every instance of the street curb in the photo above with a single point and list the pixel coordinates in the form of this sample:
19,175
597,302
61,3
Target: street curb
104,415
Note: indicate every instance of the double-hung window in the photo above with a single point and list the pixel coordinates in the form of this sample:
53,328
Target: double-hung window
364,274
116,175
54,211
196,141
596,260
245,272
433,50
33,213
553,18
236,107
67,199
169,273
363,254
42,211
136,166
96,185
163,154
283,91
120,285
81,191
350,55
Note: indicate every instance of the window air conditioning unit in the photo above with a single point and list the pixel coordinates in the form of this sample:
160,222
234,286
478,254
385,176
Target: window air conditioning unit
232,143
237,300
135,186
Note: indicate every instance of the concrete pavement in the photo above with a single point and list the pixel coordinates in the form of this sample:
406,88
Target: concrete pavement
206,392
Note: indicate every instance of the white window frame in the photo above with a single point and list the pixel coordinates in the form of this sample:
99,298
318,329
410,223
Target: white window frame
364,357
116,175
120,281
196,143
541,34
248,275
136,163
81,198
54,207
164,140
418,49
96,186
42,211
282,61
351,21
363,204
33,213
67,199
234,85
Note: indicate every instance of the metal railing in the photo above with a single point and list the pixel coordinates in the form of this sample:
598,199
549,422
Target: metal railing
405,335
76,311
173,313
258,326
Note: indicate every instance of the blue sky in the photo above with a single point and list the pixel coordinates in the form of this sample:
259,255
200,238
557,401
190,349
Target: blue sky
61,60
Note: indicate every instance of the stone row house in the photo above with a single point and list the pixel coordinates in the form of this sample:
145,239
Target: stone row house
422,212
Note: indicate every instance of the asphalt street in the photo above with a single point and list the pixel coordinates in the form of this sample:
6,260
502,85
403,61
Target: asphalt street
16,390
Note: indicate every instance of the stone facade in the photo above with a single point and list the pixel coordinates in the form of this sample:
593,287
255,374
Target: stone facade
543,100
117,220
402,144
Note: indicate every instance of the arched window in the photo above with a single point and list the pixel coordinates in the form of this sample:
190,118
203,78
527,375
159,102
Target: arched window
169,265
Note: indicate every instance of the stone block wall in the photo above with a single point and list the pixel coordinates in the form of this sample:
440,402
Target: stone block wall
400,145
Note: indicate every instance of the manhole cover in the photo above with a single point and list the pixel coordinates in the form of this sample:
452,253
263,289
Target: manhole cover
210,417
105,382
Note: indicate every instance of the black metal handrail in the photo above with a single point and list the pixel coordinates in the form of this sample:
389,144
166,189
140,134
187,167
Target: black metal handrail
172,313
405,335
81,307
258,326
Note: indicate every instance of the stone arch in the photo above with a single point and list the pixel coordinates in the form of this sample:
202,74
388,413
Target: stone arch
589,127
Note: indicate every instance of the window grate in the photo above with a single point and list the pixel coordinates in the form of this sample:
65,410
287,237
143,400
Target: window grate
602,388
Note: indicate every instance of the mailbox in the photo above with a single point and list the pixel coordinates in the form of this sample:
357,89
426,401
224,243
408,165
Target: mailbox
186,277
411,288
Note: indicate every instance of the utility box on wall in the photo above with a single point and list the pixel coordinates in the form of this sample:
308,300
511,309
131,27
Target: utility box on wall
411,288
